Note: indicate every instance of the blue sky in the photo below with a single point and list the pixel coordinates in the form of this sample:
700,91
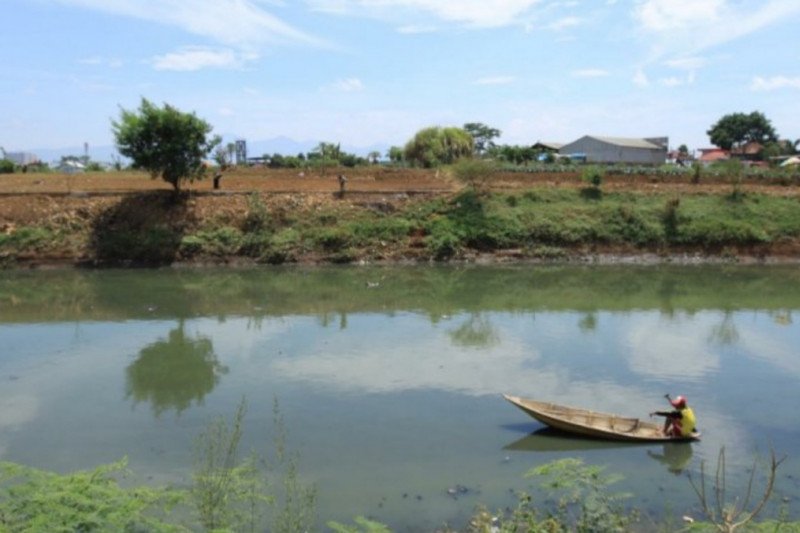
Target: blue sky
373,72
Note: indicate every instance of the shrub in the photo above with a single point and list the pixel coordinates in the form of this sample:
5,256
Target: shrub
6,166
475,173
670,216
593,175
443,240
257,217
35,500
332,239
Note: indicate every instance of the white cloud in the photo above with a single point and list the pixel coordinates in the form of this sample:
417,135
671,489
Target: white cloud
590,73
672,81
101,61
348,85
413,29
663,15
495,80
199,57
775,83
677,81
686,63
690,26
479,13
564,23
640,79
240,23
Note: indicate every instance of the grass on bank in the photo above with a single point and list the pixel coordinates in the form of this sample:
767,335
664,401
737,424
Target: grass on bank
542,222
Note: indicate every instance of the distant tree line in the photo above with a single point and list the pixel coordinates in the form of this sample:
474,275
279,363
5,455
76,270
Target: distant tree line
325,154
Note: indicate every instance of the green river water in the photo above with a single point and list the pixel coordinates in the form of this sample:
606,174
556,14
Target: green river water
390,379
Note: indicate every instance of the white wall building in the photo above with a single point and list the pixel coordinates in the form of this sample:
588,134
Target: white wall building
594,149
22,158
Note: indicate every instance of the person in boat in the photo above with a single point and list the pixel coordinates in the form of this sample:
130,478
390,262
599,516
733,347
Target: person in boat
679,422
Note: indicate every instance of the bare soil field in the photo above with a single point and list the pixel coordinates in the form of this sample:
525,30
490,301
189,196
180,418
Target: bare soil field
28,198
75,202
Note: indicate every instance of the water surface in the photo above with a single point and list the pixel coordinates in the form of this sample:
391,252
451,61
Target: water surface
389,379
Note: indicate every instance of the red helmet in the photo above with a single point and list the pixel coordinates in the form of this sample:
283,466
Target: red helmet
679,402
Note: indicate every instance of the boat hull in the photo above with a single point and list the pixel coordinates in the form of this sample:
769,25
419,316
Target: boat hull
594,424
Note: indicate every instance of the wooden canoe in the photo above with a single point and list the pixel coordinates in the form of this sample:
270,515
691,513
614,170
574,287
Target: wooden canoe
594,424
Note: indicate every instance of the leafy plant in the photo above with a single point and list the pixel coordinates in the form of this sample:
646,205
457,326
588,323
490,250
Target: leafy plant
35,500
583,501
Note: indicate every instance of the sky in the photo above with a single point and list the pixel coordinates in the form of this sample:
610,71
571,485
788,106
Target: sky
367,73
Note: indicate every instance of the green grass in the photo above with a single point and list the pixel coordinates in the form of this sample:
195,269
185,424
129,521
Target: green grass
448,228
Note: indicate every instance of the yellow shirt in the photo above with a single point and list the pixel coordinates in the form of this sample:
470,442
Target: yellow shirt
688,421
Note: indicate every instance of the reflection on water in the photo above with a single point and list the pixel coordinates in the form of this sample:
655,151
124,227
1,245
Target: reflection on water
675,456
390,379
477,331
173,373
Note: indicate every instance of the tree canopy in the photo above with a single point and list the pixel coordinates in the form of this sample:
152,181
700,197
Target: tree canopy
482,135
736,129
165,142
435,146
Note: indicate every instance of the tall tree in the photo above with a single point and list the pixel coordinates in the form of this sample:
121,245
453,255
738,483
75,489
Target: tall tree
165,142
395,154
736,129
435,146
482,135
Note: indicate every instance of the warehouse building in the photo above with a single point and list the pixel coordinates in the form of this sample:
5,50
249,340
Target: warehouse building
593,149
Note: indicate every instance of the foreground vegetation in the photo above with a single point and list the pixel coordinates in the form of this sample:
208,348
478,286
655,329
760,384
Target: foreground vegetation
230,493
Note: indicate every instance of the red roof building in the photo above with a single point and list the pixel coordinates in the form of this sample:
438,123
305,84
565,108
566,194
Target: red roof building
712,155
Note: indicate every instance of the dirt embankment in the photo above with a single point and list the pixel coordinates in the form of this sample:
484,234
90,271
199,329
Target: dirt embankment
80,202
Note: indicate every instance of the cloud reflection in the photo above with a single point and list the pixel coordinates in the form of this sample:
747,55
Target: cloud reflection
15,411
671,349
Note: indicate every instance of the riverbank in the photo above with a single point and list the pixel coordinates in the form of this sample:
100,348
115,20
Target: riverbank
392,217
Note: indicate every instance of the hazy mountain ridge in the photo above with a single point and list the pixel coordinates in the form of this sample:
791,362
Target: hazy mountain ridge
280,145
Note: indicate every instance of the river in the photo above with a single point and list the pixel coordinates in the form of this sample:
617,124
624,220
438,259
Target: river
389,379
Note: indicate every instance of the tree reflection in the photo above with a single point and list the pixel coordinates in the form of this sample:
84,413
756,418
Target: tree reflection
173,373
588,323
477,331
725,333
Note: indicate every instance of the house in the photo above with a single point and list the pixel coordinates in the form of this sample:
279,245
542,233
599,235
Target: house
712,155
595,149
543,146
71,166
748,152
22,158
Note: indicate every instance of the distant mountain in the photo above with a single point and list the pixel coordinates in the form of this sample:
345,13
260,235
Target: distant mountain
287,146
103,154
277,145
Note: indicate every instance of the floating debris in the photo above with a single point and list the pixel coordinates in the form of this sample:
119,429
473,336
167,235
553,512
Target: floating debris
457,490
